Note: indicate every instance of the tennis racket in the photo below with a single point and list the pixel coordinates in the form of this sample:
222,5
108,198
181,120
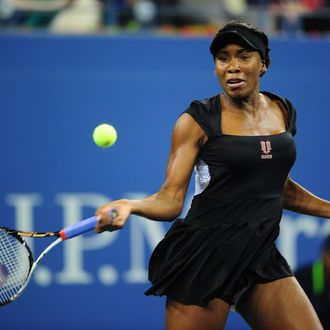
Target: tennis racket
16,260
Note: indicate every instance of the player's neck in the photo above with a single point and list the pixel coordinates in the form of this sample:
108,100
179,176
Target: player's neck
251,104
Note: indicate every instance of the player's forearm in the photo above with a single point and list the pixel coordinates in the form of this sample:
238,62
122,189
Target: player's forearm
159,206
298,199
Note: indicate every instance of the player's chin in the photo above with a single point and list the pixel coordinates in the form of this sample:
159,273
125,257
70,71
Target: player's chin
237,93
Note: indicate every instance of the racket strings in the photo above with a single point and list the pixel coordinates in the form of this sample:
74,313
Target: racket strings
14,266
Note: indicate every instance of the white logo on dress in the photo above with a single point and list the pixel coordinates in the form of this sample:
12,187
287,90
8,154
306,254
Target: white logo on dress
266,148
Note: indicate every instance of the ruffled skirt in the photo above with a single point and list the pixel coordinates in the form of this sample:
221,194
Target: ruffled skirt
219,250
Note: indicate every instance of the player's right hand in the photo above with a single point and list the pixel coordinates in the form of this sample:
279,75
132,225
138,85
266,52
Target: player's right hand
112,216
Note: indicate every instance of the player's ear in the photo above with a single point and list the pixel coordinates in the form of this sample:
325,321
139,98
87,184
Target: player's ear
263,69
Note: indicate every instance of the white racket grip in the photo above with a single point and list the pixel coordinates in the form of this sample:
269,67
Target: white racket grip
78,228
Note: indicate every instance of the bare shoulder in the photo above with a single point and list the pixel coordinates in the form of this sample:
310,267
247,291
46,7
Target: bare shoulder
187,129
278,107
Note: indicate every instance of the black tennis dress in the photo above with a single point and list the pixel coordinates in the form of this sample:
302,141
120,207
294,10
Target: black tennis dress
225,245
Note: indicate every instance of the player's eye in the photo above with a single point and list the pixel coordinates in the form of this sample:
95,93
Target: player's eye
245,56
223,58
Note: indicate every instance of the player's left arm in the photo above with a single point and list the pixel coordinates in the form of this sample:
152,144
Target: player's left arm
299,199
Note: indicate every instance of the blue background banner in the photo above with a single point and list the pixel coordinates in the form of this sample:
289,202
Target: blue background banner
54,90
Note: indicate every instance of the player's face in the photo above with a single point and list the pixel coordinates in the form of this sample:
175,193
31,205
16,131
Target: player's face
238,70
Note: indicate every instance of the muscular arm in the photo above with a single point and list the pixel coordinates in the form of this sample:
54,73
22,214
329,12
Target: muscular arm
298,199
167,203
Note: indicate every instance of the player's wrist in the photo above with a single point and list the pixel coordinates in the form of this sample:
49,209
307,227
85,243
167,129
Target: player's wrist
134,206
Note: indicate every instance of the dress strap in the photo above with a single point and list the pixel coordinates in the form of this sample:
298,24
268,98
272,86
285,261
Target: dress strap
207,114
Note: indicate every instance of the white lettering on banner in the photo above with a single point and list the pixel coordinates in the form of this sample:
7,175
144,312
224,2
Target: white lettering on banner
139,229
187,205
73,271
291,228
144,235
24,220
24,205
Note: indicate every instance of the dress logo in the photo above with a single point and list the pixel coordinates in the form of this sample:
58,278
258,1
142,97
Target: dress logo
266,149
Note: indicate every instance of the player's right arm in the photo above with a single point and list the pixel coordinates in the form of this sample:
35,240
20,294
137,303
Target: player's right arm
167,203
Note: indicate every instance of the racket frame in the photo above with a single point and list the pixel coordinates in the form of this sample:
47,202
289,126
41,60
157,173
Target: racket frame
34,266
64,234
20,239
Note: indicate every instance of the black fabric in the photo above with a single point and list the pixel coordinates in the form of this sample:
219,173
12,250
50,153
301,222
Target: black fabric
237,164
225,245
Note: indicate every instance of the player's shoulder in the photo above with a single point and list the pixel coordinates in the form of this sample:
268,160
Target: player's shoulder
204,107
279,98
206,113
205,102
287,107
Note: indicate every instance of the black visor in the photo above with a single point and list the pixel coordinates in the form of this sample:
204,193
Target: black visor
240,36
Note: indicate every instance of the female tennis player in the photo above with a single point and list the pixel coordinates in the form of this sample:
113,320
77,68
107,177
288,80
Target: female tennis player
241,144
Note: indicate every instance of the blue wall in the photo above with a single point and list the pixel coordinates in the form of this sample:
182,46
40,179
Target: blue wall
53,92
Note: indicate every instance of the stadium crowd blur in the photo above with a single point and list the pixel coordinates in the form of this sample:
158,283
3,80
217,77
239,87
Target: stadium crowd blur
188,17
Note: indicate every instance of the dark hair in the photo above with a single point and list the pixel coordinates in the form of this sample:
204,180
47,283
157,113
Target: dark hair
251,28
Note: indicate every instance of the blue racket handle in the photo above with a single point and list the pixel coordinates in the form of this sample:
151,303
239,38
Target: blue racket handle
78,228
83,226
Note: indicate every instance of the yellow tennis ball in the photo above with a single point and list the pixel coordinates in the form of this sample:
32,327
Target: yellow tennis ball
104,135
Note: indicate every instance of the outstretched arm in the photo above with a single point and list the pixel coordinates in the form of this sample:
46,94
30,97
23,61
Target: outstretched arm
298,199
167,203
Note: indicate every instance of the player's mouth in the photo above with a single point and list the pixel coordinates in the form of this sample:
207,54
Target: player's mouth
235,82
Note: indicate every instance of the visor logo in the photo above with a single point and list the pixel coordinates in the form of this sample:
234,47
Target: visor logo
266,149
